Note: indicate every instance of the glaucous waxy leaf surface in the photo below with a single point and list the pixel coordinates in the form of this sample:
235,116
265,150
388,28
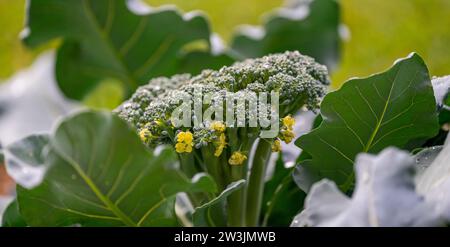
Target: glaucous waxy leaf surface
393,189
441,87
312,29
370,114
104,39
100,174
25,160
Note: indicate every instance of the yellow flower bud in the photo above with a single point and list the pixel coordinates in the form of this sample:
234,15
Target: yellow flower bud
288,122
276,146
180,147
220,145
237,158
185,137
184,142
287,136
188,148
217,126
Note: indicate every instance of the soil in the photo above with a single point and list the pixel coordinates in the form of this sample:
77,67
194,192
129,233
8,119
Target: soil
6,183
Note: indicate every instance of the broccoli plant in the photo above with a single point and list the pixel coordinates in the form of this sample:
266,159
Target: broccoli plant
195,144
223,148
145,165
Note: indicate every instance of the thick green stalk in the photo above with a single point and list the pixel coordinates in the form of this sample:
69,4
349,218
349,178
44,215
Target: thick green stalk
242,142
255,187
213,166
187,165
236,207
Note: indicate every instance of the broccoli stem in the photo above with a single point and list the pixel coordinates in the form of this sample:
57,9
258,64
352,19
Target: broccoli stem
187,164
236,207
237,200
213,166
255,187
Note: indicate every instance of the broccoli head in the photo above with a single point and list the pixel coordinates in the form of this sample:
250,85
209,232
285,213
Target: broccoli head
298,79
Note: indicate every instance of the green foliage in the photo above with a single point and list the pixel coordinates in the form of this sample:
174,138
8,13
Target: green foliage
104,40
106,95
379,31
220,11
93,180
11,216
213,213
109,42
393,190
94,171
370,114
282,199
312,30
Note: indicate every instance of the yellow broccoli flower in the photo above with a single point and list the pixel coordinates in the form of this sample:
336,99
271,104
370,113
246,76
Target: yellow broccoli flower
145,134
186,137
184,142
237,158
276,146
180,147
286,132
217,126
288,122
220,145
287,136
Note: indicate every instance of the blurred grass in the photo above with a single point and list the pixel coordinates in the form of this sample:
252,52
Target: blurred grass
381,31
13,55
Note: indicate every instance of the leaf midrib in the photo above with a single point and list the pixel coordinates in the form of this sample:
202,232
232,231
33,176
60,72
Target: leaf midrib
380,121
95,24
109,204
347,184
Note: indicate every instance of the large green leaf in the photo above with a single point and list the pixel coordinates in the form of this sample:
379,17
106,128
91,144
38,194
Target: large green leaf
11,216
282,198
213,213
103,39
385,195
196,61
311,29
393,189
305,174
367,115
100,174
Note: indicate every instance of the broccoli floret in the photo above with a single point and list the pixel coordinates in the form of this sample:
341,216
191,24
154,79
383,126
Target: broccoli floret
298,79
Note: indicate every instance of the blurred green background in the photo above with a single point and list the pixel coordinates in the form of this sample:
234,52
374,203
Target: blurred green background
381,31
